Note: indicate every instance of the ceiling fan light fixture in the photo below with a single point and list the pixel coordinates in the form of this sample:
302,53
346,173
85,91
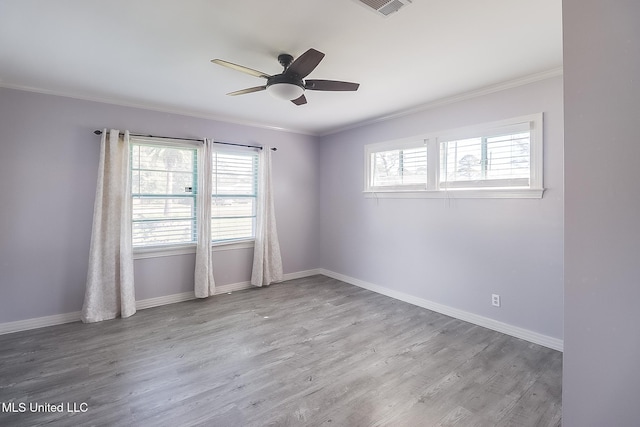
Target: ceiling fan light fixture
286,91
290,84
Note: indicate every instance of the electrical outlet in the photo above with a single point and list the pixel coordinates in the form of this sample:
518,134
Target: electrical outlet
495,300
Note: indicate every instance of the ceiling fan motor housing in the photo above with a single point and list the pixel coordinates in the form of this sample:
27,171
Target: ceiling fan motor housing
285,60
291,79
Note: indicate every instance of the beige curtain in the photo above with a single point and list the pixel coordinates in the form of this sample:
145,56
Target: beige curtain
204,283
110,290
267,262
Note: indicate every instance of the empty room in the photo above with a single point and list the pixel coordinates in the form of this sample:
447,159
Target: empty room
305,213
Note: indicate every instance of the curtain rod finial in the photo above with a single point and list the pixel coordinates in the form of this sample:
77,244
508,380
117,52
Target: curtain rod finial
274,149
97,132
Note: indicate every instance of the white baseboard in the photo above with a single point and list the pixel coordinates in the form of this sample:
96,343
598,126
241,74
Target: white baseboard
301,274
38,322
59,319
164,300
186,296
525,334
505,328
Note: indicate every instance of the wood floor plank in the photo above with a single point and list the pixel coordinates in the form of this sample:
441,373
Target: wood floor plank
308,352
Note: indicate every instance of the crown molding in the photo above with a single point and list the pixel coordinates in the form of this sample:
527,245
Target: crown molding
510,84
532,78
157,108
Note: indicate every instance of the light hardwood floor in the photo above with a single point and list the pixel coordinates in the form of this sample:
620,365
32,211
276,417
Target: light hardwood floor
308,352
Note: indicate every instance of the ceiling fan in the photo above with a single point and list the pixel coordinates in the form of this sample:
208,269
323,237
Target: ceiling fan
290,84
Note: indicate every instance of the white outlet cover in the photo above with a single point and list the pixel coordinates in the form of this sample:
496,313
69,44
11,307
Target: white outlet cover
495,300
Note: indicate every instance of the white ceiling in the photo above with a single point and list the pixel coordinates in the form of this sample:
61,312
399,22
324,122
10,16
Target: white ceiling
156,53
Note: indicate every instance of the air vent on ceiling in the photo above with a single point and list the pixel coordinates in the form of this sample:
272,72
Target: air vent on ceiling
385,7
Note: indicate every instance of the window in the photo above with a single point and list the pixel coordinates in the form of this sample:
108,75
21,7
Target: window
233,202
163,189
404,167
500,159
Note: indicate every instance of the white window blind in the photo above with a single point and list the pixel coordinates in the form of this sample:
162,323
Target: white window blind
235,188
487,161
400,165
501,159
164,188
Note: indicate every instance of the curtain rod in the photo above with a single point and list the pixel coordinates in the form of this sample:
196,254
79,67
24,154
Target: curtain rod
99,132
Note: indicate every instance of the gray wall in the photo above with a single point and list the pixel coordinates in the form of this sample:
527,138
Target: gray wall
601,383
452,252
48,169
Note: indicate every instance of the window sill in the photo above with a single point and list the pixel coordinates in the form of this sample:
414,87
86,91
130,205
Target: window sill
164,251
232,246
475,193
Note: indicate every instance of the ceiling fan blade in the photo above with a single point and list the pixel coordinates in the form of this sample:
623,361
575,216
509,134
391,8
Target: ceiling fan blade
300,101
241,68
305,63
249,90
332,85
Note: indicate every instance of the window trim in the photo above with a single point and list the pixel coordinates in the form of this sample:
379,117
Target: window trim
399,144
165,143
172,250
144,252
535,190
241,151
